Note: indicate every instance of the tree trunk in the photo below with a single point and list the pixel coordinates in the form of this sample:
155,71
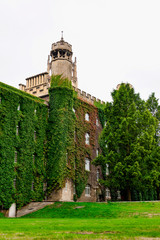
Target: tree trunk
128,194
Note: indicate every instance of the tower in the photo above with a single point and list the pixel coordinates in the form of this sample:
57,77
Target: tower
61,61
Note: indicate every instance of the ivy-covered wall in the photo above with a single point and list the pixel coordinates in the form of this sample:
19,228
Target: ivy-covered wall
23,119
60,138
38,148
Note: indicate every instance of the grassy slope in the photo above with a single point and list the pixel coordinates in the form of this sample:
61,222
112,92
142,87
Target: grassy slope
94,221
96,210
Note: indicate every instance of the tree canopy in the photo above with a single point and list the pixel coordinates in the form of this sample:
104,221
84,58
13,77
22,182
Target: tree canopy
129,142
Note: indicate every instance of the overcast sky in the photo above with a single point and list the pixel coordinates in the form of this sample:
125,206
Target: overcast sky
114,41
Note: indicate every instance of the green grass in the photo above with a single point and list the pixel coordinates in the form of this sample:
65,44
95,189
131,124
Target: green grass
93,221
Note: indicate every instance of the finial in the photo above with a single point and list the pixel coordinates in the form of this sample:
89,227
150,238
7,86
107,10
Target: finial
61,35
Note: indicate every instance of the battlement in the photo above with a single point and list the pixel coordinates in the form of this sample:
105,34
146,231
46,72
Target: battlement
87,97
61,45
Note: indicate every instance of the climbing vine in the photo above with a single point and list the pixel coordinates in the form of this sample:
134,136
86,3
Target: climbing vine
21,177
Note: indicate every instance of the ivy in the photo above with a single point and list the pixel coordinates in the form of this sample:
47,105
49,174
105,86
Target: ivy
17,128
60,134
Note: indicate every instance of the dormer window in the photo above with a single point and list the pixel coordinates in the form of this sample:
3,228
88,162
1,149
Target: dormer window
87,116
87,138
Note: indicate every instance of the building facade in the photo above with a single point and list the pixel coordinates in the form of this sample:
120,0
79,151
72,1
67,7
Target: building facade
37,168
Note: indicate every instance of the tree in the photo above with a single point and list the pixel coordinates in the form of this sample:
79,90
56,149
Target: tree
126,141
154,160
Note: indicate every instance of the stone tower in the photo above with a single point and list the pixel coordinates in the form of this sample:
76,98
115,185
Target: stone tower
61,61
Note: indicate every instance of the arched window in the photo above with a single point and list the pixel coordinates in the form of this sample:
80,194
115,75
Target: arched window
88,190
87,116
87,138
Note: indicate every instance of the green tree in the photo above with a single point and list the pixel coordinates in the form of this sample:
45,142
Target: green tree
126,141
154,160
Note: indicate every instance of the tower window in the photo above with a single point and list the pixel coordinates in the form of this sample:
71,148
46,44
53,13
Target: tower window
87,164
87,190
87,138
87,116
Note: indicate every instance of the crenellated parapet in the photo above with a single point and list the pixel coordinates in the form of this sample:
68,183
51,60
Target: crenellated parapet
87,97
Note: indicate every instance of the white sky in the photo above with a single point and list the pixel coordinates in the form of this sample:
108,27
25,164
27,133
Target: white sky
114,41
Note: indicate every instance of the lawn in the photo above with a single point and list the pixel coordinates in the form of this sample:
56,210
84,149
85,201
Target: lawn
87,221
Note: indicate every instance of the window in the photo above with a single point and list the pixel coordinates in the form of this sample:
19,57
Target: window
35,136
108,194
98,174
74,110
87,164
97,122
14,183
97,152
88,190
18,108
87,138
74,189
17,130
118,195
32,186
66,187
15,157
87,116
107,169
35,111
